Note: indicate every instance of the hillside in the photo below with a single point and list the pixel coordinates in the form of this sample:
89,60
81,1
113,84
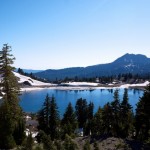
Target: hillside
24,80
128,63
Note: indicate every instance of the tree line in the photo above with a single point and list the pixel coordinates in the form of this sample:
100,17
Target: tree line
115,118
125,77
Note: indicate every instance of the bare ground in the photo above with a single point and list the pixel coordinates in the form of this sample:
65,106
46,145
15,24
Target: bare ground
111,143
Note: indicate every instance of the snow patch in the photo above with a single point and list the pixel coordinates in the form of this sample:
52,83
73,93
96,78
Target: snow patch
33,82
135,85
80,84
130,65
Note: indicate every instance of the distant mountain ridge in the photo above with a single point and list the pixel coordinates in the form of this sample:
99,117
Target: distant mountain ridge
128,63
29,70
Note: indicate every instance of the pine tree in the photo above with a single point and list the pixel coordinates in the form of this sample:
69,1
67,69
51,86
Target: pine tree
81,112
20,71
115,105
143,116
41,119
46,111
19,134
69,122
54,119
97,123
6,127
9,82
10,111
125,115
107,118
90,109
48,117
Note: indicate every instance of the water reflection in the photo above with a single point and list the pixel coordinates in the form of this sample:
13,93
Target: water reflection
31,101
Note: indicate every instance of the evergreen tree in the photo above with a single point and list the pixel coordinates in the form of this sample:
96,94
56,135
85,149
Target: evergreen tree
54,119
9,82
19,134
81,112
6,127
115,105
97,123
125,115
46,111
90,111
20,71
107,118
48,117
41,120
89,127
69,121
10,111
143,116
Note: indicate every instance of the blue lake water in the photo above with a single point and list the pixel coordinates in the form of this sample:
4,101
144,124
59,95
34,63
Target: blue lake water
32,101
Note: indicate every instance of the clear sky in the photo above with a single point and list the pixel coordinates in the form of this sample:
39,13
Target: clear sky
52,34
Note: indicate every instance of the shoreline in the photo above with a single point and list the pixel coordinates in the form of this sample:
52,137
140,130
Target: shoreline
80,88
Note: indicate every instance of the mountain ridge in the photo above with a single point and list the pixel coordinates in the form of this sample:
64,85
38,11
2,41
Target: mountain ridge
128,63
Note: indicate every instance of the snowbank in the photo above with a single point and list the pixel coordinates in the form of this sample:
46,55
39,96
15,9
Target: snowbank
32,89
135,85
84,86
33,82
79,84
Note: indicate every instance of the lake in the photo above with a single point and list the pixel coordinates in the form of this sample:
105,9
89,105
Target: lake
32,101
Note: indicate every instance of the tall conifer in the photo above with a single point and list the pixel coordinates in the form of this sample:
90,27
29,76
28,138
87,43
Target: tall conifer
143,116
54,119
115,105
10,111
81,112
126,115
69,122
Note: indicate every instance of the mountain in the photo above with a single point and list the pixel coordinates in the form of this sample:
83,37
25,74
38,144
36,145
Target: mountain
128,63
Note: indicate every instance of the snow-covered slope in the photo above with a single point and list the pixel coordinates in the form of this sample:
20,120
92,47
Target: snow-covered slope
80,84
135,85
22,78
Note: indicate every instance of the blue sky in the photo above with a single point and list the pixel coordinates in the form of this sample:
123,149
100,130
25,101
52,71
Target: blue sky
56,34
